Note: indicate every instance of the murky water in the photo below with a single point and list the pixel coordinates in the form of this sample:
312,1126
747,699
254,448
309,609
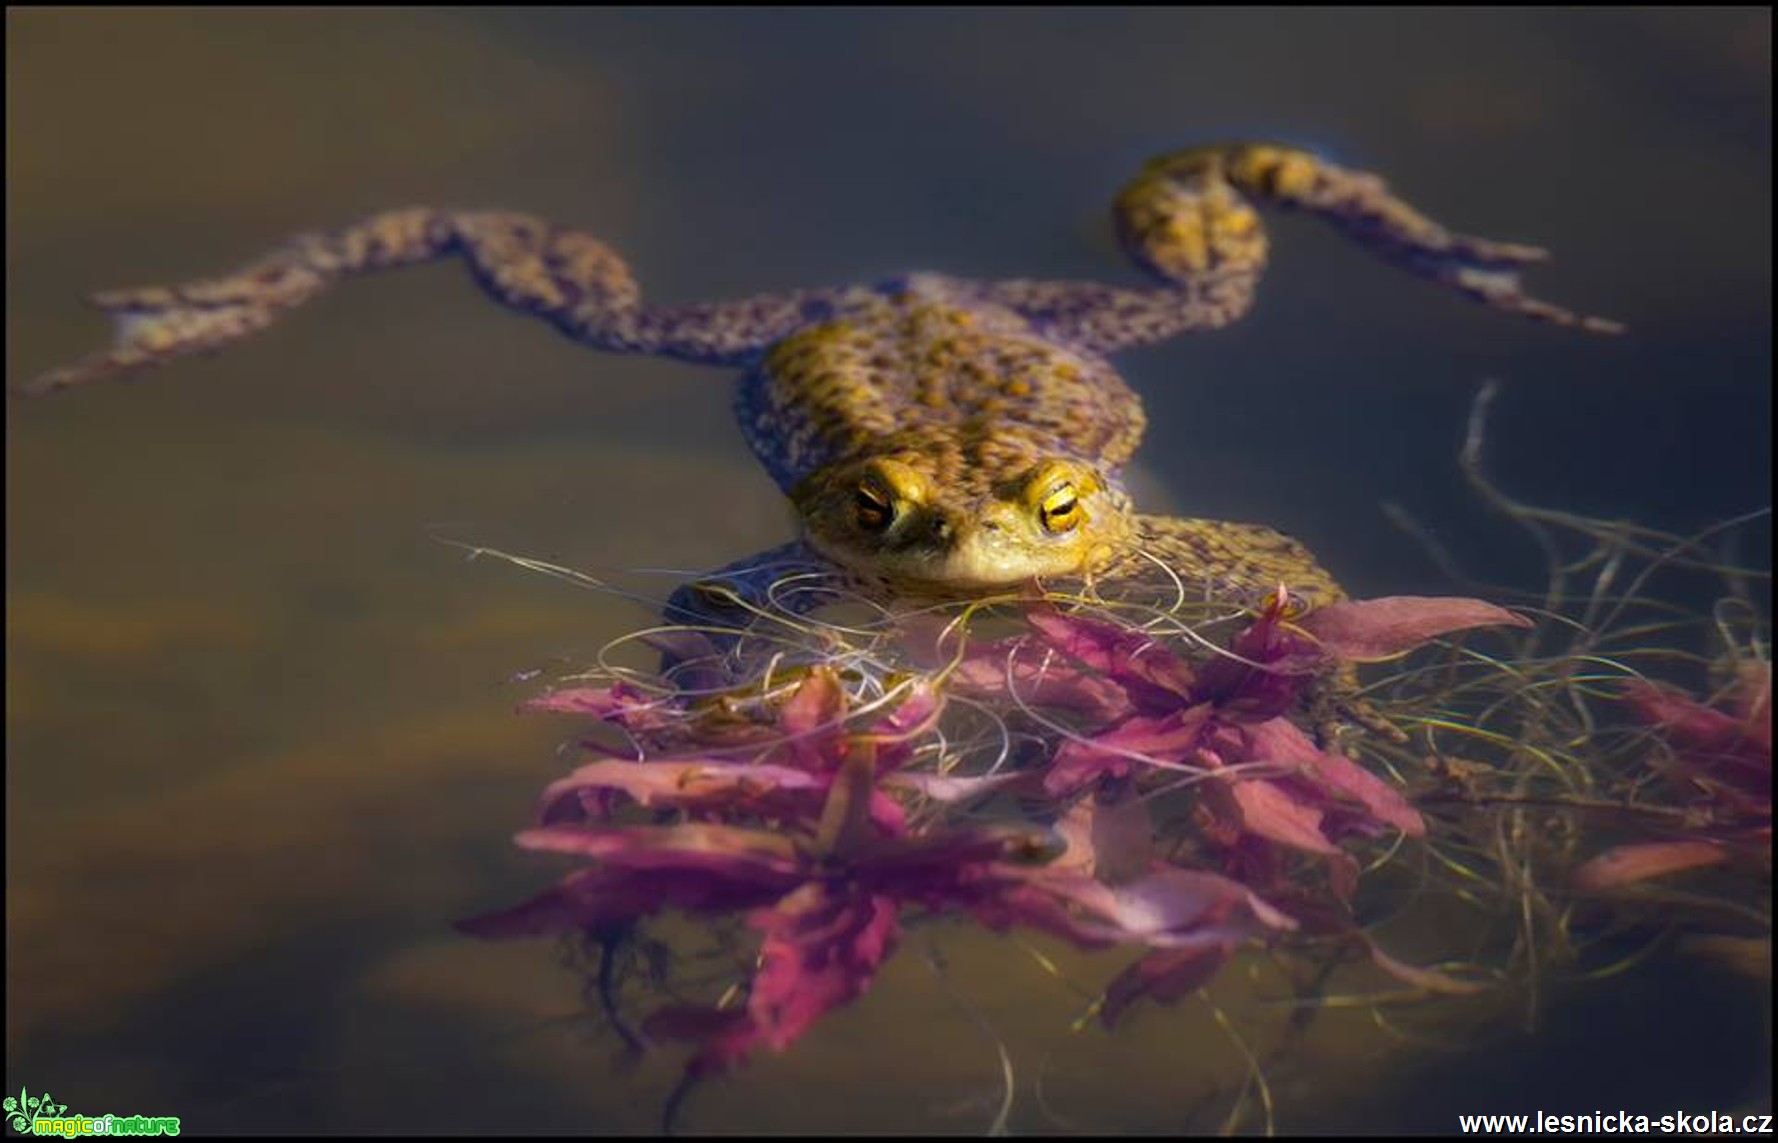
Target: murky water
259,720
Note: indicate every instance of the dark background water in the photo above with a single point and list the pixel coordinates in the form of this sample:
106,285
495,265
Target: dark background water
259,736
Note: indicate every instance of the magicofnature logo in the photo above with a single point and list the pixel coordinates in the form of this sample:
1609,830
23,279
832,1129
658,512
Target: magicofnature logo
30,1114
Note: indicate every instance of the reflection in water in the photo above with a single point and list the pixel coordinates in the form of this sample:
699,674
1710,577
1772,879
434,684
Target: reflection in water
259,734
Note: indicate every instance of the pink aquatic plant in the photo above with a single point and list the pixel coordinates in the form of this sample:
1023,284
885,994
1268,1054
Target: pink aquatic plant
827,895
1143,712
790,802
1141,708
1718,762
749,758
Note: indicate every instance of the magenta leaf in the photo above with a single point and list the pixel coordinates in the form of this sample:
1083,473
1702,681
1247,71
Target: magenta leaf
596,701
822,948
1738,748
1110,840
1264,673
1154,678
1628,864
940,865
1370,630
914,715
1136,741
1272,811
1426,979
1279,740
639,713
1093,642
720,848
1337,773
1165,908
1019,668
1173,907
1165,975
696,785
813,721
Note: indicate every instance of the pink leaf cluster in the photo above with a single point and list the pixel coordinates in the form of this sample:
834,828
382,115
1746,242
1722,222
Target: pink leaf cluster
791,808
1720,763
1140,707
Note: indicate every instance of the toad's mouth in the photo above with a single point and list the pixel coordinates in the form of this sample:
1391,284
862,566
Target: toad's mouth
980,562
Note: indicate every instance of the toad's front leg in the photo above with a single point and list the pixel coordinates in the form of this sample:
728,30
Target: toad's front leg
564,276
755,607
1219,561
1242,566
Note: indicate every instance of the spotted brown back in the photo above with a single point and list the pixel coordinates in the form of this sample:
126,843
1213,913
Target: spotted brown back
969,391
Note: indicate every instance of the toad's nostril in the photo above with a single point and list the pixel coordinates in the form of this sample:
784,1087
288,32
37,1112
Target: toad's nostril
990,525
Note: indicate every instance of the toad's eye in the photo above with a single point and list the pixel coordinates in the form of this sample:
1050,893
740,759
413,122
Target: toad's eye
875,509
1060,510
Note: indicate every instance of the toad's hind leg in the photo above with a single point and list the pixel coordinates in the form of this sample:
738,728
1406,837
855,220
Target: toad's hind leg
564,276
1189,218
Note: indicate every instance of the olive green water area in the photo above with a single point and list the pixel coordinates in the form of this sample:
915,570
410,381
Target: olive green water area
260,735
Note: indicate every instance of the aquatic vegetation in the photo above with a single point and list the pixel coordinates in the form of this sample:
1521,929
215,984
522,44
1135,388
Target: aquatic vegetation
824,807
1176,776
1719,765
1578,796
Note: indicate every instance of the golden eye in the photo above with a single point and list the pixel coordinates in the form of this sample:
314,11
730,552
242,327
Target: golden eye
875,510
1060,510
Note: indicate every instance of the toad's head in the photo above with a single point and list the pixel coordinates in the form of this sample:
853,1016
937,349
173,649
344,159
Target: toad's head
890,518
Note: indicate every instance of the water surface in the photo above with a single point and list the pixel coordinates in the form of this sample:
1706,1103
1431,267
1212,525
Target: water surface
259,720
